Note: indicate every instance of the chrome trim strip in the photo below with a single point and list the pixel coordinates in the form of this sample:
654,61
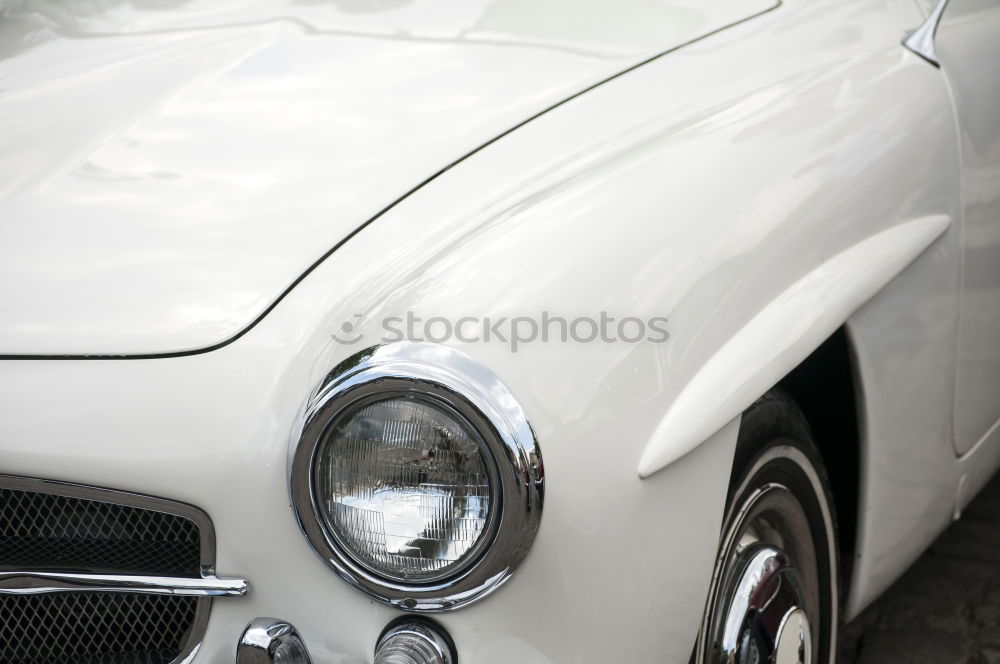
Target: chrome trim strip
474,391
262,638
42,583
921,40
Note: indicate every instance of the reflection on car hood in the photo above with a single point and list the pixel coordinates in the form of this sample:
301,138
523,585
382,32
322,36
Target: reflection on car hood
169,169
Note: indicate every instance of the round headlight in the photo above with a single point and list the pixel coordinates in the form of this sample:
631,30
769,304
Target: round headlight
416,476
405,486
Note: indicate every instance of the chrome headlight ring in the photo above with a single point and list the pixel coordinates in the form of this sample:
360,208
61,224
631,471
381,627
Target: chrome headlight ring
448,376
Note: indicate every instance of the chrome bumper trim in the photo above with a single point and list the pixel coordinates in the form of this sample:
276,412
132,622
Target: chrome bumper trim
268,640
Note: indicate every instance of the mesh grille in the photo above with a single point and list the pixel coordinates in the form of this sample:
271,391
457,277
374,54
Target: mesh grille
60,533
49,532
94,628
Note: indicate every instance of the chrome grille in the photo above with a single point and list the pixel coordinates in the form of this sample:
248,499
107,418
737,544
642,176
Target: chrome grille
92,628
55,527
53,532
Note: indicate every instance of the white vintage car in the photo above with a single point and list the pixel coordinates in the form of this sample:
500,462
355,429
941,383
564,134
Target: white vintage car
296,296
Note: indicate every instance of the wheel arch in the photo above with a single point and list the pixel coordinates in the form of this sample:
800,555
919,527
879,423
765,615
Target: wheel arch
825,387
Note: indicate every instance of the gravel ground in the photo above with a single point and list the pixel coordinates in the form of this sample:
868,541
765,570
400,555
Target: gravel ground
946,608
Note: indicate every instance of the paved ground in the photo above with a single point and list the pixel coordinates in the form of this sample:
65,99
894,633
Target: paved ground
946,608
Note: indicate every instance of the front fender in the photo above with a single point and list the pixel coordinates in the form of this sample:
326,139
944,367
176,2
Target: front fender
782,335
653,195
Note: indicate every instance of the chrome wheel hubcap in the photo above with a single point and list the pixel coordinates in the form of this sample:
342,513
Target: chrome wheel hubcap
764,600
794,639
764,621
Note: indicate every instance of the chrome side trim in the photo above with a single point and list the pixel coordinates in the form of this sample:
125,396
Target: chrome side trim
480,396
263,637
921,40
42,583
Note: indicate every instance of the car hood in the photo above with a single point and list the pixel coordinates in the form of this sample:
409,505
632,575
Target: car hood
166,175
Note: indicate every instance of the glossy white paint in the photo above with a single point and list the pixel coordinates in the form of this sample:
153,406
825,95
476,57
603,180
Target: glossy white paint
701,186
907,346
782,335
968,40
182,168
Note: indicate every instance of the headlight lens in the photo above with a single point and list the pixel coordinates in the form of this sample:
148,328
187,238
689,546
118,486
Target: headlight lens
414,473
406,486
